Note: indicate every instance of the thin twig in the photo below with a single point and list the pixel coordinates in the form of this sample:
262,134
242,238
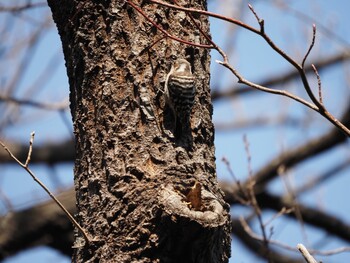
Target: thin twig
257,210
260,21
207,37
21,8
285,77
153,44
285,56
319,83
250,232
252,197
30,149
25,167
238,183
281,171
46,106
317,106
311,45
329,252
207,13
282,212
249,157
305,18
334,171
242,80
139,10
6,201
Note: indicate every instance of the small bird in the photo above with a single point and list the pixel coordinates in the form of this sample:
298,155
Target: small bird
179,94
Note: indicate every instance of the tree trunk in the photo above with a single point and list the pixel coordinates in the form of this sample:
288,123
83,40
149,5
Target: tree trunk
143,195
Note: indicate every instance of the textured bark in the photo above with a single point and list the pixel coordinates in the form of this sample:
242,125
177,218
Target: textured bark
142,195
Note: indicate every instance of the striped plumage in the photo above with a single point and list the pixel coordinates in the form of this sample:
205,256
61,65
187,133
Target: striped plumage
180,92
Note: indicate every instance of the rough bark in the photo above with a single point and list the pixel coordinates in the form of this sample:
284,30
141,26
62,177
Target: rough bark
142,195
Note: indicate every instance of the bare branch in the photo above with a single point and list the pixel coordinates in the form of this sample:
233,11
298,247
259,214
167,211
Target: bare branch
21,8
252,198
49,153
311,216
319,84
46,106
251,233
242,80
30,149
282,212
326,175
241,197
306,18
87,238
306,254
166,33
203,12
260,21
282,78
311,45
293,200
329,252
296,155
317,106
256,247
23,229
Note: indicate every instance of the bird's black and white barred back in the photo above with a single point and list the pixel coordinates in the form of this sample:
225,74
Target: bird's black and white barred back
180,92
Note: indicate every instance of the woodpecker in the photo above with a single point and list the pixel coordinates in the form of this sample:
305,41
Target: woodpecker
179,94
